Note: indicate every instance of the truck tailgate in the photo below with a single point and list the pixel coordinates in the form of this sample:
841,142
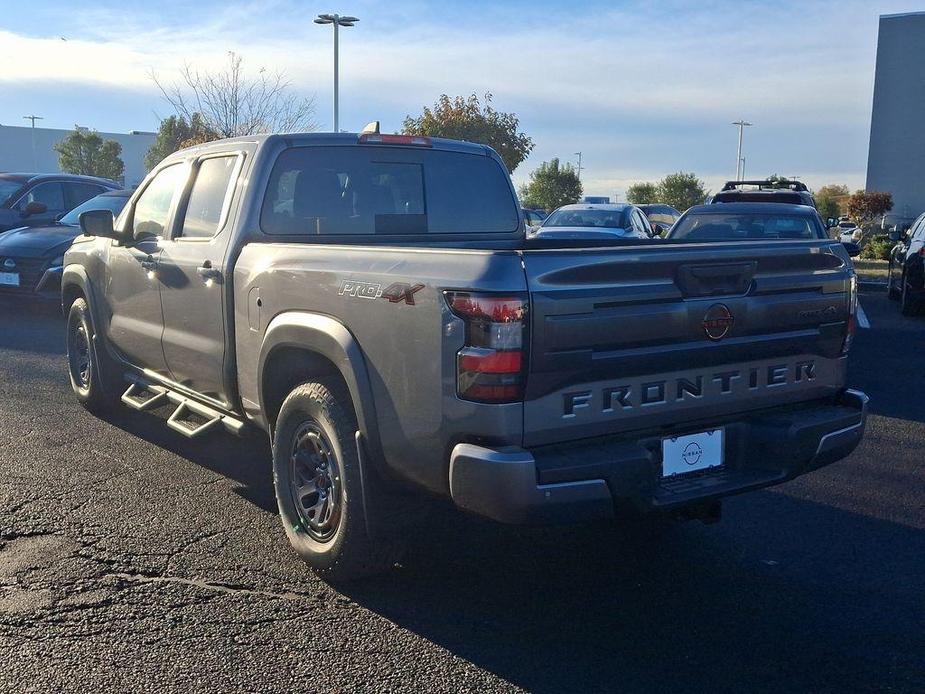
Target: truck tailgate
654,335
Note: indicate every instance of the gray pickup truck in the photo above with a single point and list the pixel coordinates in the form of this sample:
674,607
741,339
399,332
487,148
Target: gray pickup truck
372,303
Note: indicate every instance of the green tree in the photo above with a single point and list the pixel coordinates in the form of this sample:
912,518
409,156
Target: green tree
827,200
551,186
468,119
85,152
642,193
864,207
176,132
682,190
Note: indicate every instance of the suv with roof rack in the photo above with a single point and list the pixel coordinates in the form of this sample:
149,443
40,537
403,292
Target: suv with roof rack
785,191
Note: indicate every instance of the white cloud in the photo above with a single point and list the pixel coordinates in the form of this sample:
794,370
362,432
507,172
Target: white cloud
624,85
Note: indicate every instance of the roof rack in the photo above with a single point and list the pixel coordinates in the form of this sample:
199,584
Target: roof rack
766,184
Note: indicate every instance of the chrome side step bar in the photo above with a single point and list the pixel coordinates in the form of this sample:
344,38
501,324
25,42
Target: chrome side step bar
190,418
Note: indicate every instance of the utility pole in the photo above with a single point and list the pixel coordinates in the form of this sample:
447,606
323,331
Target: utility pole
578,154
35,164
337,21
742,125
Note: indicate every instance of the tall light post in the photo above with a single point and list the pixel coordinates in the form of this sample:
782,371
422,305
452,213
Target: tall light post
35,164
337,21
578,154
742,125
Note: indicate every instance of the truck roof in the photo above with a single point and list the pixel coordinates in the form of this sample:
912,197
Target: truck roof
325,139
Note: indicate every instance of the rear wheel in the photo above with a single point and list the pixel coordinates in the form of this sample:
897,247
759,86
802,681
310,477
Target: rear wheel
320,488
893,290
92,372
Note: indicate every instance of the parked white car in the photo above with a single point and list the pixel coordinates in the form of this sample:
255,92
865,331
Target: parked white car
590,221
849,232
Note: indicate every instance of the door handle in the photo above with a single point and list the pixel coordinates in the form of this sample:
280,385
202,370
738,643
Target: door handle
149,264
207,272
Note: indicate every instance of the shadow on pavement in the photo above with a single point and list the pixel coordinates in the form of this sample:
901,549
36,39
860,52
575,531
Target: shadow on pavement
246,459
816,600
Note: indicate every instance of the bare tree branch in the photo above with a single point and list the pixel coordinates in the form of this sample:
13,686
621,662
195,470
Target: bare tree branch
231,105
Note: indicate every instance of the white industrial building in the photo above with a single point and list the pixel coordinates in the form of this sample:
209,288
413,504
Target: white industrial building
17,153
897,126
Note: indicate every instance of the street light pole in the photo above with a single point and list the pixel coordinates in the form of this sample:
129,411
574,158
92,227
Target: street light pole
337,21
35,163
742,125
578,154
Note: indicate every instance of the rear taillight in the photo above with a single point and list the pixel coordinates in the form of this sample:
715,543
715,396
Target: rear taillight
852,313
490,367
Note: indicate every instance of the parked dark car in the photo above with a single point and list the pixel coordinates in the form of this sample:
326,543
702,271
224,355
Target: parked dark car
661,217
31,257
751,221
906,278
28,199
787,192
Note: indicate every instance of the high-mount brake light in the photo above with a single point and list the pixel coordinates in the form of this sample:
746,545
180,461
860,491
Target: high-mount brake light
490,367
377,139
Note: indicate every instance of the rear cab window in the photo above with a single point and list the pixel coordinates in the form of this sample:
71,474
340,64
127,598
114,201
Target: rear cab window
746,226
383,190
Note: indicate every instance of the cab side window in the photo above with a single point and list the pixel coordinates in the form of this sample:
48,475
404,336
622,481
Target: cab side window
640,224
78,193
209,197
49,194
153,207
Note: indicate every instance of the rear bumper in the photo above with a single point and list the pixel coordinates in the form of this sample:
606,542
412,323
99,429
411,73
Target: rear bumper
592,479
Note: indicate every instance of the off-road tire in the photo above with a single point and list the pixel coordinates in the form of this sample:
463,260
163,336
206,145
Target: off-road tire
354,548
92,372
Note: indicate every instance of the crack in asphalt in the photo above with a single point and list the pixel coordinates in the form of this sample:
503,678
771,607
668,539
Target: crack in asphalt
218,587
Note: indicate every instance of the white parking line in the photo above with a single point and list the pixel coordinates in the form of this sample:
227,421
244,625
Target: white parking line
863,322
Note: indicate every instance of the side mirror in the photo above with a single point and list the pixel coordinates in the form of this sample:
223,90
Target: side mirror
97,223
852,248
34,208
831,222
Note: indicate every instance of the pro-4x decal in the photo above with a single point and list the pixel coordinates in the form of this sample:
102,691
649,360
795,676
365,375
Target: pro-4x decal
396,293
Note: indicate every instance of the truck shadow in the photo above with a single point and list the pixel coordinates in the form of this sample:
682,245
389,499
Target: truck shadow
246,459
784,595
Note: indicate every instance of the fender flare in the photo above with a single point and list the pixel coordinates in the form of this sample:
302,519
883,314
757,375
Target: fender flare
331,339
76,276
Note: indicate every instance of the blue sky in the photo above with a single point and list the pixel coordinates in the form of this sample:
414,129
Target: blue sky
641,88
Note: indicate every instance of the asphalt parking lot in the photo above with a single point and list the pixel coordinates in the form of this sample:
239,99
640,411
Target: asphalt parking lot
132,559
